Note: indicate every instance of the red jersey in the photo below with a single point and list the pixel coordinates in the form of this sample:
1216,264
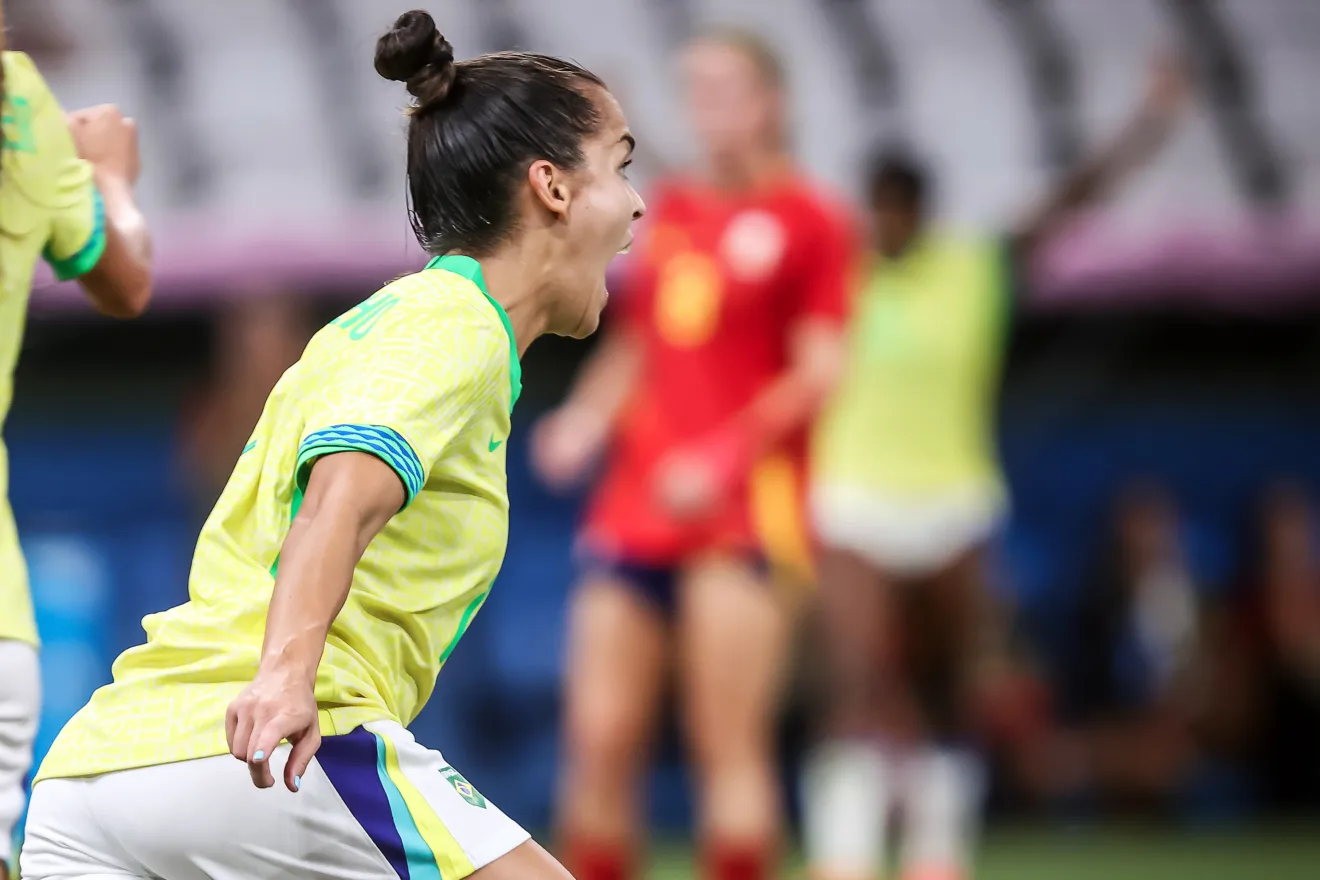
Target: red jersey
715,287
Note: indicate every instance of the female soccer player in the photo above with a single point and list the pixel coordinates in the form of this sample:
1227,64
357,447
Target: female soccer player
729,343
66,192
362,527
906,494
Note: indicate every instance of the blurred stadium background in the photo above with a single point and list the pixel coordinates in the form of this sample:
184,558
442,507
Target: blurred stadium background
1171,343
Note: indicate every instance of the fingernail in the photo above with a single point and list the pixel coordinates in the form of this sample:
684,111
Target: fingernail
260,755
297,783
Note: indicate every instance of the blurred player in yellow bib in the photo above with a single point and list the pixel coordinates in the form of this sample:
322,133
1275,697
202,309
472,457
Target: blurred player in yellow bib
906,496
362,527
66,193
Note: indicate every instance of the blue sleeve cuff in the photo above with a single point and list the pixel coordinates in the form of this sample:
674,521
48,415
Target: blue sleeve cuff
384,443
89,255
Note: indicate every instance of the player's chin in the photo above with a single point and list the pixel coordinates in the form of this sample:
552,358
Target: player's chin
588,316
588,326
590,322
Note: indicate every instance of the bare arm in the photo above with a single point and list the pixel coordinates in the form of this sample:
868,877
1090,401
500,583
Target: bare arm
120,283
350,497
792,399
569,439
1135,145
608,378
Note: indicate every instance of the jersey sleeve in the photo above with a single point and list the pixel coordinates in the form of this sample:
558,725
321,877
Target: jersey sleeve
828,270
404,392
36,125
77,238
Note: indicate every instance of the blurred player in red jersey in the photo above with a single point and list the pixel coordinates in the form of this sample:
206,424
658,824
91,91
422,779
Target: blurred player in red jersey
728,342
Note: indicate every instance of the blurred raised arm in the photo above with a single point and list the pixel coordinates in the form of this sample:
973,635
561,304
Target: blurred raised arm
1135,145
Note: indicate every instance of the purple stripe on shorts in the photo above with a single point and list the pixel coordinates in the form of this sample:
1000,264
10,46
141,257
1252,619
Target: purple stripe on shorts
350,762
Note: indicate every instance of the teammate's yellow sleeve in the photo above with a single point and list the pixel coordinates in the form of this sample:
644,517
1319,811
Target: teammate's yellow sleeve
406,386
43,164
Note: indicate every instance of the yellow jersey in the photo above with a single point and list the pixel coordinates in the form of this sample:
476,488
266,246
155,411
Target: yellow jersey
48,206
914,414
424,374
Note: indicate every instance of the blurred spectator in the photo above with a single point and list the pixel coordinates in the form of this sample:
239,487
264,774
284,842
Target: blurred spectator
1287,602
1129,686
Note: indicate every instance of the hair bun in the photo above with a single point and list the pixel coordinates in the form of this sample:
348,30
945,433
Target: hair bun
416,53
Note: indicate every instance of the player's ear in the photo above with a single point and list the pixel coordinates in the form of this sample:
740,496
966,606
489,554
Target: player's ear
550,186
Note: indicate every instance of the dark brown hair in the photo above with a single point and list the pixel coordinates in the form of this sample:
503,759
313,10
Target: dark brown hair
475,127
898,179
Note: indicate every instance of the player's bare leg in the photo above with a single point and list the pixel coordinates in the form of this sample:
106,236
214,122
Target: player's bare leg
733,641
614,680
849,777
943,777
860,620
529,861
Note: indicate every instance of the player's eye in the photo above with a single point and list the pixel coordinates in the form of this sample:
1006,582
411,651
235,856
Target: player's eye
623,169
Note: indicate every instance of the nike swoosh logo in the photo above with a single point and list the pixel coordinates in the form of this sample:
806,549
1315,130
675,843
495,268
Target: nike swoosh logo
495,444
251,446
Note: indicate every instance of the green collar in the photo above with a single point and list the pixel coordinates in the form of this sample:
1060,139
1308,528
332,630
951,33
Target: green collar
468,268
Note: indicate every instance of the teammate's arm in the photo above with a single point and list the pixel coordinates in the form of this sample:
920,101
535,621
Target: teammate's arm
119,284
1135,145
350,497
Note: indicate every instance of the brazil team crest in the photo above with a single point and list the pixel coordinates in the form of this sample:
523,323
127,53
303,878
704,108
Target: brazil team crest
463,787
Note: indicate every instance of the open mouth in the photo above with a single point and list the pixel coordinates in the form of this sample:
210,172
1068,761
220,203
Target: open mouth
627,246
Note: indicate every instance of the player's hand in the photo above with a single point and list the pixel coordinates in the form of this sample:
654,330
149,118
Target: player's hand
687,485
278,705
107,139
564,445
693,480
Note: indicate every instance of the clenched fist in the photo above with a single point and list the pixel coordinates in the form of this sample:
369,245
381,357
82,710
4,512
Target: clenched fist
108,139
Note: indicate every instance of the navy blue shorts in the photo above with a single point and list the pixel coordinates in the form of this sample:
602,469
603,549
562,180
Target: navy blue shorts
656,583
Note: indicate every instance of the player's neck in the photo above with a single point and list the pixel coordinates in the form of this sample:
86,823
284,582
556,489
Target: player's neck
749,172
513,279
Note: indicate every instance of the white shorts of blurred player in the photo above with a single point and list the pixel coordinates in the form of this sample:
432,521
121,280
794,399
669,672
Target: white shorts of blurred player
905,536
374,803
20,707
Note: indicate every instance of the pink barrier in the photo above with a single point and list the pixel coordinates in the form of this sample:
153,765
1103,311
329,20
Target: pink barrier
1266,262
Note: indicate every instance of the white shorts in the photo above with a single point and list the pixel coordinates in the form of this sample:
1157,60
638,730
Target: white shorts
20,707
374,803
908,537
